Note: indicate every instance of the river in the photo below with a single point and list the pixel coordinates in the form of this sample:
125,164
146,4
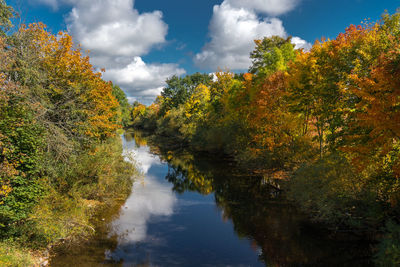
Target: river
199,210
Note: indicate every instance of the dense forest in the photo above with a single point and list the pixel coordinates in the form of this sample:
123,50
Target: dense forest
325,122
60,156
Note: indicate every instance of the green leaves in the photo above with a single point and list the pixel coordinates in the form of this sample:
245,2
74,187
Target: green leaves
271,54
6,13
179,90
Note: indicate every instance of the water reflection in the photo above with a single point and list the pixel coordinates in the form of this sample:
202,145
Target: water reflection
135,149
149,198
281,235
198,210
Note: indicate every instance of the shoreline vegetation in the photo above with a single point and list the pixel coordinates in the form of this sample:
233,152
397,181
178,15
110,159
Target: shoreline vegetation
326,122
61,159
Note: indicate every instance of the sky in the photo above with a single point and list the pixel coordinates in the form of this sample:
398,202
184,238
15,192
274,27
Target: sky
141,43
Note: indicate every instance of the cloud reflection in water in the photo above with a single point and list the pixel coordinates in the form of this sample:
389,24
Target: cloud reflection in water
149,198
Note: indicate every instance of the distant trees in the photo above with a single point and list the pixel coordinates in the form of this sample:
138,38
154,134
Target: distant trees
178,89
124,106
328,117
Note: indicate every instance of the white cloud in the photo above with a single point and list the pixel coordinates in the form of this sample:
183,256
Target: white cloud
270,7
142,80
117,35
300,43
233,28
115,28
150,199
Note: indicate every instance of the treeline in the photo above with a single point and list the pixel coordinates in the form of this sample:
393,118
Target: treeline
326,120
60,157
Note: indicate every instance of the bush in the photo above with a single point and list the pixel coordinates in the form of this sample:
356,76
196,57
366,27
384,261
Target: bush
330,191
389,247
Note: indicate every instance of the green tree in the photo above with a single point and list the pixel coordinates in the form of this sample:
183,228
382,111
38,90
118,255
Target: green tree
6,14
271,54
179,89
124,106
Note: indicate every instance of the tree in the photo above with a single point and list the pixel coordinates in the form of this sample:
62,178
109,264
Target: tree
6,13
178,89
378,112
271,54
76,101
275,129
124,106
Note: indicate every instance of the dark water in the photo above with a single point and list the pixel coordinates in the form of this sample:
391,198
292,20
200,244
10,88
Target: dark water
199,210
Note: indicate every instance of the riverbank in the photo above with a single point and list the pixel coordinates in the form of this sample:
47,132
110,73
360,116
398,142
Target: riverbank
280,183
60,155
322,120
68,220
194,209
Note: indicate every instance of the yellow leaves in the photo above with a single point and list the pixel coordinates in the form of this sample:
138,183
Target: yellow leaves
69,70
5,190
196,103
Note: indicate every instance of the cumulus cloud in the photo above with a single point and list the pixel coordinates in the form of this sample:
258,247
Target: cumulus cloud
270,7
233,28
148,79
150,199
117,36
114,28
300,43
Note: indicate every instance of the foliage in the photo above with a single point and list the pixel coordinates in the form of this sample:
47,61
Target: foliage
389,247
72,86
328,116
11,255
336,194
178,89
378,111
6,13
59,158
271,54
124,106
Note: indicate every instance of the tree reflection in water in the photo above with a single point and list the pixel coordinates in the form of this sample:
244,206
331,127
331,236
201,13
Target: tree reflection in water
282,234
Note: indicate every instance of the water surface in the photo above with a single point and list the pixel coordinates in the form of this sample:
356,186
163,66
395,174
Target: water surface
200,210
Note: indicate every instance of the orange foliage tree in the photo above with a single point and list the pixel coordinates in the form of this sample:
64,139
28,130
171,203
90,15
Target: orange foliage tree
72,85
378,111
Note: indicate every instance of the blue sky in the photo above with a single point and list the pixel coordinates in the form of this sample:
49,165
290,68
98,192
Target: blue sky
142,42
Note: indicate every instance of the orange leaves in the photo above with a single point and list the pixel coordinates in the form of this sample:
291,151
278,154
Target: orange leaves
270,114
248,77
72,79
379,107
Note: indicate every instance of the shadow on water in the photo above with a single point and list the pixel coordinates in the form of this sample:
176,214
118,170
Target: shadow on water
277,234
259,213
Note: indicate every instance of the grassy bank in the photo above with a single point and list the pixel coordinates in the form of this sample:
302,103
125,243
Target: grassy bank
101,179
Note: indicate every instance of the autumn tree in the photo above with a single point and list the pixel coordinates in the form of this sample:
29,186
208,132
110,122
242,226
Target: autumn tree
179,89
78,103
377,115
271,54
